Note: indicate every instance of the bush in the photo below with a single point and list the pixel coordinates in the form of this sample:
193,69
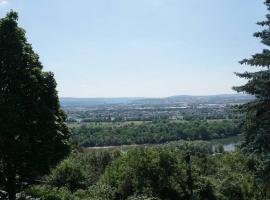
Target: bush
157,172
46,193
69,173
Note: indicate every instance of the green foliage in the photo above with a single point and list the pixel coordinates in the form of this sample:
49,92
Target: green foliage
51,193
33,134
80,170
46,193
161,172
154,172
257,122
69,173
191,147
168,174
71,178
153,133
234,177
94,163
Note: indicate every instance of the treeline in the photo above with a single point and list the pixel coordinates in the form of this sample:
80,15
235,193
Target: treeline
89,135
178,170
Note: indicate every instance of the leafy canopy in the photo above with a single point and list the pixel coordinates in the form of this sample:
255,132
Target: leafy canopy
33,134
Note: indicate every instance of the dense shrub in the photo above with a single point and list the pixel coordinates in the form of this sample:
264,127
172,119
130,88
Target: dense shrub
70,174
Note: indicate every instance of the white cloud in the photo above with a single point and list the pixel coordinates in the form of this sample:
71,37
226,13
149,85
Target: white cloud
3,2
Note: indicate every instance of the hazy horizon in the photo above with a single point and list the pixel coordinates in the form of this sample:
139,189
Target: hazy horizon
138,48
151,96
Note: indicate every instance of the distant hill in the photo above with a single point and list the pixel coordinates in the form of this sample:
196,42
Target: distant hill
210,99
70,101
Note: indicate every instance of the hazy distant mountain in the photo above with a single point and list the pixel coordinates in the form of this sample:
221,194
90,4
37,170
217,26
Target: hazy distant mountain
210,99
70,101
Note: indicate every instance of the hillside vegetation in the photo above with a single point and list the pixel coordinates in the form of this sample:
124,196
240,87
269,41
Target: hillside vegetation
89,135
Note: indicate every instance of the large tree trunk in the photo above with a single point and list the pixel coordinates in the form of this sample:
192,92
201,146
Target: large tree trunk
11,189
10,185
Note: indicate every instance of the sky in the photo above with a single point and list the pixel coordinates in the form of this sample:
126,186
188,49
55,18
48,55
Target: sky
141,48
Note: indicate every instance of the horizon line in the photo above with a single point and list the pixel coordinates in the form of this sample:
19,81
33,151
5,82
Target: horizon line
119,97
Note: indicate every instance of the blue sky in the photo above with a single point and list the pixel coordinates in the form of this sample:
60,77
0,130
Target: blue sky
151,48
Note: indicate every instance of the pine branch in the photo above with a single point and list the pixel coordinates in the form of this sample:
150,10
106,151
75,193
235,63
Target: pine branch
260,59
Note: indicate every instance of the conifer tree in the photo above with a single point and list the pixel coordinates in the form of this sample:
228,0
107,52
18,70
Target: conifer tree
257,113
33,133
257,122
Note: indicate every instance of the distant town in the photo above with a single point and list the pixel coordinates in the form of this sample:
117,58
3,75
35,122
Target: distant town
146,109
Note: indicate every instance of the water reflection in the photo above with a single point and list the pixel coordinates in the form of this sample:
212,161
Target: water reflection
229,147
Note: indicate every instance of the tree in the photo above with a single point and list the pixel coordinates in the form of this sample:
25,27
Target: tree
257,122
33,133
159,172
69,173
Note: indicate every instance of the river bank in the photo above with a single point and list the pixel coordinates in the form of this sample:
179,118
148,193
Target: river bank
229,144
